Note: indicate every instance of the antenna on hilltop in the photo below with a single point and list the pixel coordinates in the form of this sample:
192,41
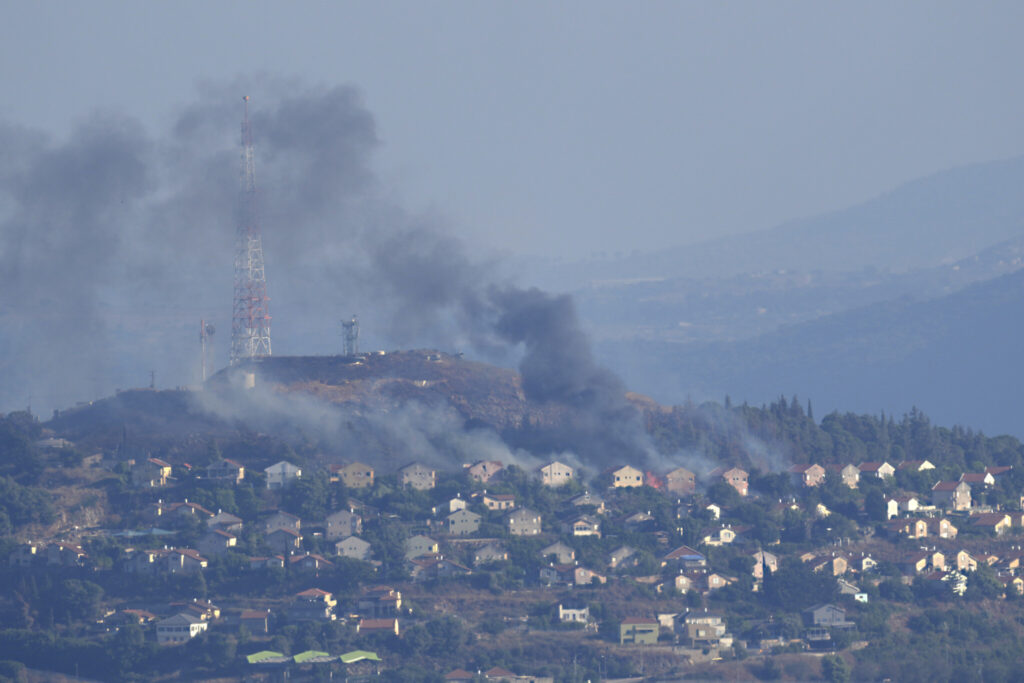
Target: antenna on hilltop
206,331
350,332
250,315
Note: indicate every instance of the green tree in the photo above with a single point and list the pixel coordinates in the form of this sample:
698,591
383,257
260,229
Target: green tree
835,669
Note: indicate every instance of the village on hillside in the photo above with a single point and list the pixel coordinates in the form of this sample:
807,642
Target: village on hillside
455,575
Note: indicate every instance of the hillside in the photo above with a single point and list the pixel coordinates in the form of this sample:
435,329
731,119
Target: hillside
956,357
332,402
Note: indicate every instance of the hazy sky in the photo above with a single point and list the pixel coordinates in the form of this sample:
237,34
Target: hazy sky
570,128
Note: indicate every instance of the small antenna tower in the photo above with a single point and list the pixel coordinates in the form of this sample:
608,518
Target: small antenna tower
350,331
250,315
206,331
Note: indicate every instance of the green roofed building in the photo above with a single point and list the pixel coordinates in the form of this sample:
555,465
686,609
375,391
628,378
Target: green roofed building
313,657
358,656
266,657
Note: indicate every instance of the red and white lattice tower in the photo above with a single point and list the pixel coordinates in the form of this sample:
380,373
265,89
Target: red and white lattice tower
250,315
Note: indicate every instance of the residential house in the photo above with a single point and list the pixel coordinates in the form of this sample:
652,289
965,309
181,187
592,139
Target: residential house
180,513
379,601
312,604
484,470
998,523
906,528
1014,584
907,503
417,477
807,475
560,552
574,615
582,576
216,542
453,505
279,519
66,555
281,474
524,522
179,629
734,477
999,472
225,521
255,621
342,524
353,547
964,562
171,560
681,481
431,568
555,474
705,630
226,470
284,541
952,495
462,523
978,480
915,466
848,474
638,518
941,527
638,631
309,561
419,545
918,561
827,616
620,557
627,477
24,555
356,475
499,501
585,525
686,557
490,554
204,609
588,499
377,626
151,473
720,535
882,470
834,564
892,507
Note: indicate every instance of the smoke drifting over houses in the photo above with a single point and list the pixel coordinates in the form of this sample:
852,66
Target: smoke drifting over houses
114,242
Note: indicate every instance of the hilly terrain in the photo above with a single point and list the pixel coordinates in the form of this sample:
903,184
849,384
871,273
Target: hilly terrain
956,357
925,222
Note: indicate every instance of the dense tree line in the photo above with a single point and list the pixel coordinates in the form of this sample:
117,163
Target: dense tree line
785,432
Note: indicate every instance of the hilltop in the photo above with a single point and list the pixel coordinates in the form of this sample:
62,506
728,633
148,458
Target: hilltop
482,396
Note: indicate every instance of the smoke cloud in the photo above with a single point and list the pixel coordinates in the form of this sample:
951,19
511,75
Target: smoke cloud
116,241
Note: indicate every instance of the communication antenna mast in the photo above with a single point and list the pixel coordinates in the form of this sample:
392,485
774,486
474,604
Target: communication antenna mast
250,315
206,331
350,331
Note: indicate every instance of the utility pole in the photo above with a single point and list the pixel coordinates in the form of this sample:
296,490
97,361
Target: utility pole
206,331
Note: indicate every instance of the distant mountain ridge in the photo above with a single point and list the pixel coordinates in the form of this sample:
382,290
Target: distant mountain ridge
956,357
936,219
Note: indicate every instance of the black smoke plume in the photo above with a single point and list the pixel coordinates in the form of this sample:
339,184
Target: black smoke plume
115,242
